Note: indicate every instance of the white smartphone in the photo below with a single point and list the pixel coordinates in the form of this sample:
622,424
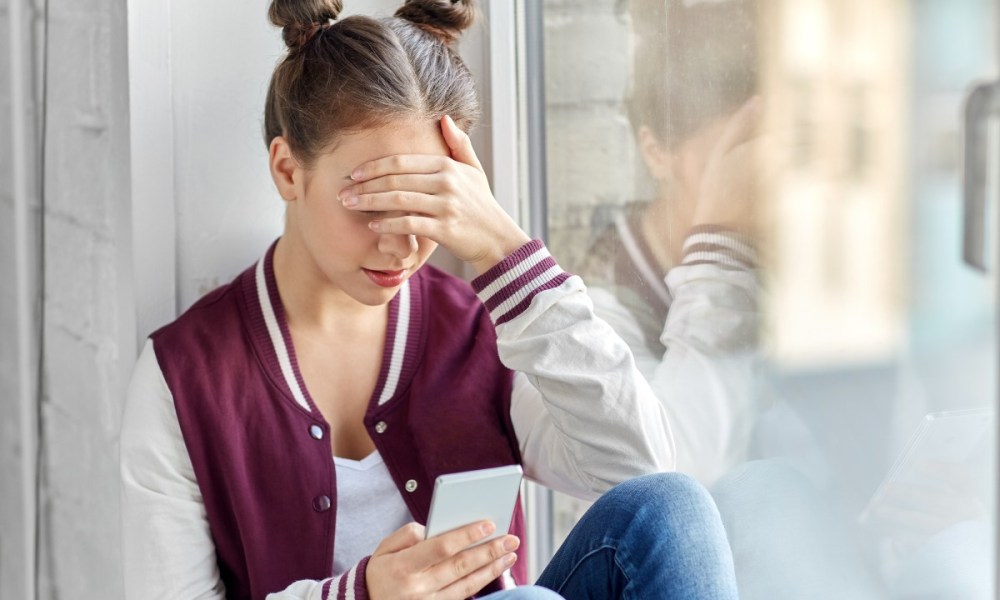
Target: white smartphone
948,436
463,498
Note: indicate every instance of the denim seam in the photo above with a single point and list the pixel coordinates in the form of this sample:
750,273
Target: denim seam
625,573
583,558
579,562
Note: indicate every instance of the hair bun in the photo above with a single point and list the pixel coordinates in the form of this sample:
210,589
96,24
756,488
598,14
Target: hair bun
300,19
445,19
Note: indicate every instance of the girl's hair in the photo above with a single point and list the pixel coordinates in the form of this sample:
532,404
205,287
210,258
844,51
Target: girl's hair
693,62
359,72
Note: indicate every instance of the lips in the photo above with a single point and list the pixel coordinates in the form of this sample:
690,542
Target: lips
386,279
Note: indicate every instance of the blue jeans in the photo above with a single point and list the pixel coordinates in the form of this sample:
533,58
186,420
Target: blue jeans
525,592
658,536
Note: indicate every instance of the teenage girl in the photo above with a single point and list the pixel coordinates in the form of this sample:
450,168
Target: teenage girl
282,436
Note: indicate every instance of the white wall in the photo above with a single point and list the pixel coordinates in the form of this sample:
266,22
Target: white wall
227,210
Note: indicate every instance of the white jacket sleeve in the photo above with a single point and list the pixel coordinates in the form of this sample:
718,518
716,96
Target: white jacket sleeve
706,376
167,548
584,416
167,545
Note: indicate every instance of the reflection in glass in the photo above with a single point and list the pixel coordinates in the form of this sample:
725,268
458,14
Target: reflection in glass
764,200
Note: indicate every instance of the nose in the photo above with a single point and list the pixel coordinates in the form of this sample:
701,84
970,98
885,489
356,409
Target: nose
400,246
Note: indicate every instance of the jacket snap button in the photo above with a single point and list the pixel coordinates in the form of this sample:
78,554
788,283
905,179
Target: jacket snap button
411,485
380,427
321,503
316,432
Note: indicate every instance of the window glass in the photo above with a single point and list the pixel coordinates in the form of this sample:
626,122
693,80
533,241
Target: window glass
765,200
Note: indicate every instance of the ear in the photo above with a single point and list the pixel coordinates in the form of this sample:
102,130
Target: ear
658,160
284,168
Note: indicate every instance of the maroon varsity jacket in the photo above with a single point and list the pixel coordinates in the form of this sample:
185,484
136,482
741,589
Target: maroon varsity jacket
259,445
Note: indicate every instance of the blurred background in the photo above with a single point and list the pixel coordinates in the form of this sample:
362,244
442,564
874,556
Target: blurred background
835,386
869,319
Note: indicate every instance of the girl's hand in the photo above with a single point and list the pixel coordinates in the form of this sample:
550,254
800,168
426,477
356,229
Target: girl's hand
445,199
947,493
729,185
405,566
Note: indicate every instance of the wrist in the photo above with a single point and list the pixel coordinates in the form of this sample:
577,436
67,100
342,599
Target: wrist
499,251
354,583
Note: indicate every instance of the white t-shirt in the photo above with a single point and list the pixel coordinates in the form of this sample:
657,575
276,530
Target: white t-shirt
369,508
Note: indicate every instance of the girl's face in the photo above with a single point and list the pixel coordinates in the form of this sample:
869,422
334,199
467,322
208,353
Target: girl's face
335,244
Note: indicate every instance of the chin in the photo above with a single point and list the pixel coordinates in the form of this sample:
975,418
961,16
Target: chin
379,297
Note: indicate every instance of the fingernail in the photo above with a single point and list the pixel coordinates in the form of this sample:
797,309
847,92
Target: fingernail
356,174
375,225
510,544
487,528
350,201
509,559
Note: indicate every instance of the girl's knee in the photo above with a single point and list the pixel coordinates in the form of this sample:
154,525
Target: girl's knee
662,489
660,504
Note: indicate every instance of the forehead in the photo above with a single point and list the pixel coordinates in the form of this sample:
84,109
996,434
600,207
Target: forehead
396,137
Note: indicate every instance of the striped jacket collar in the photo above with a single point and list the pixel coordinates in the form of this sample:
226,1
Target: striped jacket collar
272,338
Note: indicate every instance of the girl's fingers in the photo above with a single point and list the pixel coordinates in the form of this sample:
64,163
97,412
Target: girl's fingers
409,182
427,227
910,521
742,126
445,547
459,143
474,582
466,569
470,560
411,202
406,536
399,163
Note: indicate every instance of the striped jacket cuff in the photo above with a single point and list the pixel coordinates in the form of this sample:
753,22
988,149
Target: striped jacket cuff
708,244
508,288
351,585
